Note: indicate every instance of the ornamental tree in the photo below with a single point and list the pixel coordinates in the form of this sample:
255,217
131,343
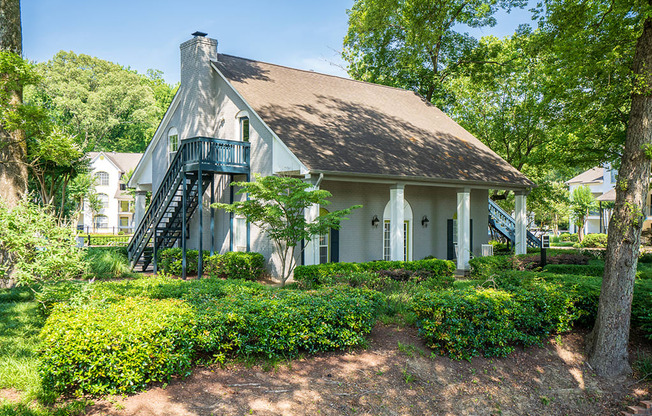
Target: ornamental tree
276,204
582,202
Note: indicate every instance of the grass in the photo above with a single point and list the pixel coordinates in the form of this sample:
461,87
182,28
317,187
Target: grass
108,263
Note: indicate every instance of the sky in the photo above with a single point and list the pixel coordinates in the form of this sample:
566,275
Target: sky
305,34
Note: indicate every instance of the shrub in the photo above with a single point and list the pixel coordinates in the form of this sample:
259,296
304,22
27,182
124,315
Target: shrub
594,241
319,274
170,260
466,323
645,258
489,265
565,237
236,265
116,348
108,263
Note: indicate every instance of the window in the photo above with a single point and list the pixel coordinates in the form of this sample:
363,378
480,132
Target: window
104,199
124,222
123,186
102,178
101,221
244,129
173,140
125,206
407,232
324,242
240,234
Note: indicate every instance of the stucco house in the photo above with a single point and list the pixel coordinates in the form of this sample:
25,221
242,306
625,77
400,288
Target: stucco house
602,182
117,213
422,179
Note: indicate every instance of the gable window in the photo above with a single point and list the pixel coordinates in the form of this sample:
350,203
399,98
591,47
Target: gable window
173,140
102,178
244,129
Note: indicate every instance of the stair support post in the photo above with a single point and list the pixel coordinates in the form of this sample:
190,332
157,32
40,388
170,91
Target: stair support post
212,214
154,248
520,209
184,259
200,206
463,229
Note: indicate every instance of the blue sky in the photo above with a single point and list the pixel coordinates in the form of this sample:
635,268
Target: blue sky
146,34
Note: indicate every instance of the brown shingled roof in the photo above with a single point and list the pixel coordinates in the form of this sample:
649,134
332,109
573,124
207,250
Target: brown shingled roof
590,176
335,124
608,196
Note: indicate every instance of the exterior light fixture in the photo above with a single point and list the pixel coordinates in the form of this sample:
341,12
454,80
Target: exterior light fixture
375,221
425,221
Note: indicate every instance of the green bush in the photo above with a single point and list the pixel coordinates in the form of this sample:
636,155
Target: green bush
594,241
565,237
116,348
170,260
489,265
108,263
115,344
320,274
467,323
384,281
645,258
236,265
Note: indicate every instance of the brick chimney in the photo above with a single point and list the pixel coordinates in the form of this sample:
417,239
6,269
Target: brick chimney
198,87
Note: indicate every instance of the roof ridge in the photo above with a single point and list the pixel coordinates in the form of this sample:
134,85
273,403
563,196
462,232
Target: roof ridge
318,73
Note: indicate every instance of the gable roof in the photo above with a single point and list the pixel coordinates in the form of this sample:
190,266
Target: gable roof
335,124
590,176
123,161
608,196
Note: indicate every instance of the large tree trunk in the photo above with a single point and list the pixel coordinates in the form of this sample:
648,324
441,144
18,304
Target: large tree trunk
13,171
608,342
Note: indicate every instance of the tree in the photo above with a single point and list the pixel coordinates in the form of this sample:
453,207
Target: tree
415,44
277,204
582,203
13,173
106,106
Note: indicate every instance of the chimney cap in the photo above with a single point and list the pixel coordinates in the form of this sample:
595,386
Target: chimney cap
199,34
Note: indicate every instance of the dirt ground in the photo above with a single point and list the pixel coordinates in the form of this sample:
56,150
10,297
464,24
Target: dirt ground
396,375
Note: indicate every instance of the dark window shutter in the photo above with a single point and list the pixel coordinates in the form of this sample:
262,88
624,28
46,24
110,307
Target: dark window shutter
450,254
303,253
335,245
471,236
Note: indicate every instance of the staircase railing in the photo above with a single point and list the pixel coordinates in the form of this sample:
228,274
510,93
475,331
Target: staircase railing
210,154
506,225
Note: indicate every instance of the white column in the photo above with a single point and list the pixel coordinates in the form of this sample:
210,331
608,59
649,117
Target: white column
521,224
311,213
139,207
463,228
396,220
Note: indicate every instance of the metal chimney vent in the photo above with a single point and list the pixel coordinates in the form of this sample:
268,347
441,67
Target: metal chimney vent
199,34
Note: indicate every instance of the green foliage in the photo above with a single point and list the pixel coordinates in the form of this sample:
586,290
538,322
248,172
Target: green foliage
415,44
489,265
467,323
582,203
137,341
594,241
108,263
236,265
575,269
170,260
323,274
116,348
34,247
276,204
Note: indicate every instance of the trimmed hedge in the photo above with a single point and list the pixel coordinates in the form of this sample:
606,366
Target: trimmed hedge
472,322
320,274
231,265
236,265
116,348
489,265
575,269
594,241
102,342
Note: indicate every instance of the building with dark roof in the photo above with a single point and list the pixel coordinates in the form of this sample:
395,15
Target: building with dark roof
422,179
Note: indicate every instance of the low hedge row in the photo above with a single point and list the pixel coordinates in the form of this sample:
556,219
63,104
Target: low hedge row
596,240
384,281
467,323
231,265
120,345
575,269
321,274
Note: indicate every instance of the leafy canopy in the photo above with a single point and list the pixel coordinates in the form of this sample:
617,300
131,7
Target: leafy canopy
276,204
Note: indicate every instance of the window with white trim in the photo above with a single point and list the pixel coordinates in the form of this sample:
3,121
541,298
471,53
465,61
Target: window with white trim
244,129
101,222
102,178
239,233
324,242
104,199
407,232
173,140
